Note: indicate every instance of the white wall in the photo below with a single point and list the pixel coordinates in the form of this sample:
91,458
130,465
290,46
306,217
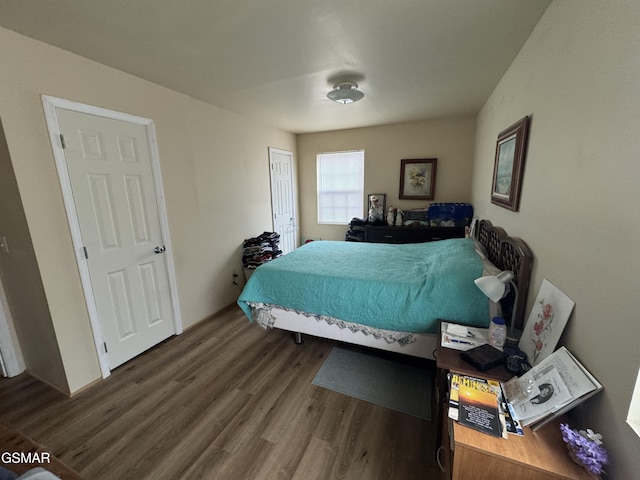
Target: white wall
579,77
215,172
450,140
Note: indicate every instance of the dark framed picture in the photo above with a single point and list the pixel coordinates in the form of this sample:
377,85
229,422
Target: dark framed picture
508,167
418,179
376,207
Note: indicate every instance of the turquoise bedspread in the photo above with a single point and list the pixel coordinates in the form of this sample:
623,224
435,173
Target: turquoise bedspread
394,287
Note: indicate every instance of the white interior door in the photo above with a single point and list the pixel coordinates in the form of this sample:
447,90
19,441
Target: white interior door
112,183
283,198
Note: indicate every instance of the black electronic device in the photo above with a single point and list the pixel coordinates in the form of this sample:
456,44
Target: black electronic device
517,364
484,357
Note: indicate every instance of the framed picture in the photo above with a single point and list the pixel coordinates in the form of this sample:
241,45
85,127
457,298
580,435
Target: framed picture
376,207
418,179
509,165
546,322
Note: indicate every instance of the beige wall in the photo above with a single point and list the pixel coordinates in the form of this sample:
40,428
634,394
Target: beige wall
449,140
579,77
21,282
215,174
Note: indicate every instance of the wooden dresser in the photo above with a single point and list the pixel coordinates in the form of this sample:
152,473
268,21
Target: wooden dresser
391,234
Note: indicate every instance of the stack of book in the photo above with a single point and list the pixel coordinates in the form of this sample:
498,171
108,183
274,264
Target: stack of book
550,389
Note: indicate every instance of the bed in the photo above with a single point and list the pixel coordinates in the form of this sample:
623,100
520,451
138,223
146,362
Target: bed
386,296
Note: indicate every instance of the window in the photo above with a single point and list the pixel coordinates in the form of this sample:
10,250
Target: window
340,186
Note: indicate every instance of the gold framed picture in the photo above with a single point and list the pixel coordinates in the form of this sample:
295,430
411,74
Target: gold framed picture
418,179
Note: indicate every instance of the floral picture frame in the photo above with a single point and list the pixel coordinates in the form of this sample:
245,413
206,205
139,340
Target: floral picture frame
547,320
508,167
418,179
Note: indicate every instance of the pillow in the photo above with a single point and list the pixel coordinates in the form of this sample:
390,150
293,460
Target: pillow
480,250
488,268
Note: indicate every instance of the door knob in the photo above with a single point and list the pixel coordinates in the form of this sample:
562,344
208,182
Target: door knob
159,249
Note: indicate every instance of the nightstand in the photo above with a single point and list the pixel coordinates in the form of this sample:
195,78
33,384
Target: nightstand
469,454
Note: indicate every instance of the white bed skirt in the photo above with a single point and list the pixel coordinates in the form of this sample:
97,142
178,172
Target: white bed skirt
423,346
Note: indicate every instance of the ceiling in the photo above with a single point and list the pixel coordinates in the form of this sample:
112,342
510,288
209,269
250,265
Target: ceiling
275,60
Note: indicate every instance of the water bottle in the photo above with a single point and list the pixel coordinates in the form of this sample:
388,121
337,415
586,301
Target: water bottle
497,332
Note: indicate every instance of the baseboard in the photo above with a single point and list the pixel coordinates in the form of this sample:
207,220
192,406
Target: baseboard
217,314
64,391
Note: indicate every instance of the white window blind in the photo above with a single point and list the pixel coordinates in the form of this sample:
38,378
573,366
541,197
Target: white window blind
340,186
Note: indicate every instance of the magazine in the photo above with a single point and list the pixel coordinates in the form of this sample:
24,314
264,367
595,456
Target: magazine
478,403
479,409
512,425
454,387
551,388
552,392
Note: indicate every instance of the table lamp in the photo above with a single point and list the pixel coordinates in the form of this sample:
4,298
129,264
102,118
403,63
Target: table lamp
496,288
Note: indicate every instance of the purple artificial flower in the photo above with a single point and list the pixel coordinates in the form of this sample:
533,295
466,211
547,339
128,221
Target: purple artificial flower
589,453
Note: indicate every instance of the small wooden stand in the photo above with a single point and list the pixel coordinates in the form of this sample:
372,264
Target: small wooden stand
468,453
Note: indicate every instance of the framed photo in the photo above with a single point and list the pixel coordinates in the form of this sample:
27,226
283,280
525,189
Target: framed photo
418,179
546,322
509,165
376,207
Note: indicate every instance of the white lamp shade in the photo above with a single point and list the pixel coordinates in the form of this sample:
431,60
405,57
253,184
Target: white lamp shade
495,288
491,287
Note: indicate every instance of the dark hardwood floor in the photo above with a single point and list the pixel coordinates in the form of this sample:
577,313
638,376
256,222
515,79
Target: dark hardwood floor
225,400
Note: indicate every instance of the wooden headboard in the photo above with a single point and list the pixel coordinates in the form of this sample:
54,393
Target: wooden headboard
508,253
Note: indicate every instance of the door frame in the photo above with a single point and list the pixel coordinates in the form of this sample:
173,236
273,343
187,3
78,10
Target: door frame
294,191
50,104
11,360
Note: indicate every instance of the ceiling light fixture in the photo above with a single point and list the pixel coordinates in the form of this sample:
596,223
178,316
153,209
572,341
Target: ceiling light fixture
345,92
